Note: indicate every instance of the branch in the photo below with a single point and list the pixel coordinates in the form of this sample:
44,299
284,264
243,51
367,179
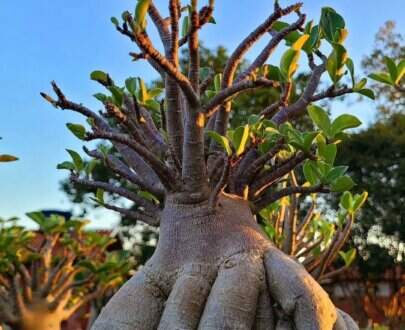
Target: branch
185,85
255,167
205,15
307,220
149,207
338,241
118,167
331,92
268,178
310,247
136,215
271,196
173,54
220,185
160,24
193,47
271,46
290,222
300,106
226,94
159,167
131,157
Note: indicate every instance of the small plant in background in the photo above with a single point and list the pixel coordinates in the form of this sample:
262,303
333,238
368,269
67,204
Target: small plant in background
47,275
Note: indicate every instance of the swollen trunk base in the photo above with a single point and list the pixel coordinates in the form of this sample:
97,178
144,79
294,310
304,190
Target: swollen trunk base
215,269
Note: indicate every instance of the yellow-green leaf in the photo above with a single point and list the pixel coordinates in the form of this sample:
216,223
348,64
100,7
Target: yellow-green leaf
300,42
140,15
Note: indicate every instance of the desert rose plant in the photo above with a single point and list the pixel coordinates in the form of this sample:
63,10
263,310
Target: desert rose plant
204,182
47,275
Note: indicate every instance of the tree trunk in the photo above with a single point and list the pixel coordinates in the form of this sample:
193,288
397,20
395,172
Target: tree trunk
215,269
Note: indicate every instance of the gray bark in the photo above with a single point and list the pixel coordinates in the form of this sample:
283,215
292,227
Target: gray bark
215,269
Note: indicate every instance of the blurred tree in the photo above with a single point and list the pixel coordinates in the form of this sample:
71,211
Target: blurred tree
376,160
47,275
388,43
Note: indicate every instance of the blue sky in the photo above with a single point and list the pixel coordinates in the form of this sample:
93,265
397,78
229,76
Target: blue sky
44,40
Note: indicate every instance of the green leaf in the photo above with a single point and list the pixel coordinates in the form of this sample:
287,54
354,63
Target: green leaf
37,217
335,173
313,40
77,160
141,10
367,92
289,63
401,72
78,130
7,158
328,152
343,122
359,200
100,195
341,35
310,173
130,84
360,85
240,139
330,23
100,76
217,81
309,137
320,117
149,196
185,27
66,166
221,140
348,257
299,43
114,20
143,92
212,20
291,37
152,105
392,68
154,92
381,77
274,73
350,66
117,94
101,97
90,166
336,61
342,183
346,200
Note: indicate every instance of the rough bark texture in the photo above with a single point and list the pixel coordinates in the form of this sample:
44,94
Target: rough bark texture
215,269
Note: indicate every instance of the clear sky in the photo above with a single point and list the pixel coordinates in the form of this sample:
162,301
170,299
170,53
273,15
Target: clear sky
44,40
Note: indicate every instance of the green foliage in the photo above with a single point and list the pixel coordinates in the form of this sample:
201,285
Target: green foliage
394,75
330,24
88,250
348,256
332,129
375,157
389,43
141,10
222,141
99,76
78,130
